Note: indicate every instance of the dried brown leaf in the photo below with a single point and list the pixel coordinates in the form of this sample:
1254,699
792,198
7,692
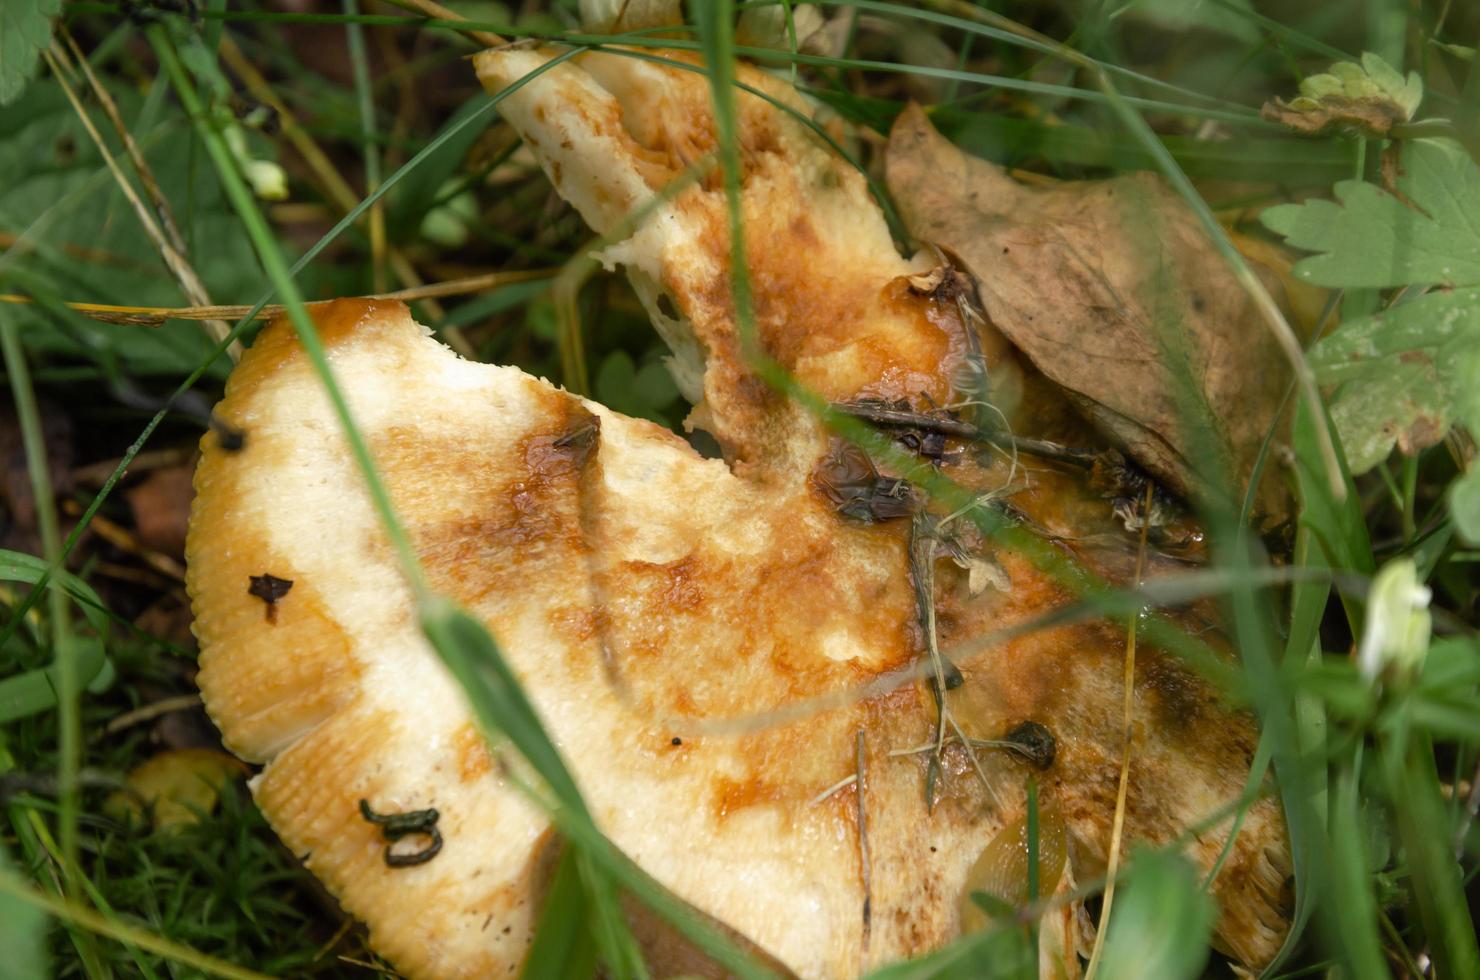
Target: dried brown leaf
1114,292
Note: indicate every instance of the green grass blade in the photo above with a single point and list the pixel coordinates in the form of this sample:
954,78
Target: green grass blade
1424,826
620,954
1351,922
562,947
500,707
65,651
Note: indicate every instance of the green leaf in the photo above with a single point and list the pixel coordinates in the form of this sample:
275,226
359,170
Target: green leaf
419,191
639,392
1370,97
1404,406
1438,321
1372,239
22,934
1407,373
1162,922
25,31
36,690
1464,503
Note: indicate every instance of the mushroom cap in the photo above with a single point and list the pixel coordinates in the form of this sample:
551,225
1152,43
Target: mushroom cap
704,639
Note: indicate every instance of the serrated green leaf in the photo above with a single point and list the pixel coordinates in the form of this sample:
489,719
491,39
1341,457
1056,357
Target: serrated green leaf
1406,374
1369,97
1369,238
1403,404
25,31
1409,372
1433,322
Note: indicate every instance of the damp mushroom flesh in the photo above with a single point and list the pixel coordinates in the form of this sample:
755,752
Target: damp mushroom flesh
744,671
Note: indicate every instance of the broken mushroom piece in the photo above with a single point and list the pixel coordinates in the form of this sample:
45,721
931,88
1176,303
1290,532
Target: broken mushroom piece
704,639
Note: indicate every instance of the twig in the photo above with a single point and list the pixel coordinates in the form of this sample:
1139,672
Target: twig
439,12
149,712
922,577
848,780
179,267
125,540
904,418
153,316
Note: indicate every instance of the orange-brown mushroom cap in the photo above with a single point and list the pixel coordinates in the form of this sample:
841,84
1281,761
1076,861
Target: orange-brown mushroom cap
641,592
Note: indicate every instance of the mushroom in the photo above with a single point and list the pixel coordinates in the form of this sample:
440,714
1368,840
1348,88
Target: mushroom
741,677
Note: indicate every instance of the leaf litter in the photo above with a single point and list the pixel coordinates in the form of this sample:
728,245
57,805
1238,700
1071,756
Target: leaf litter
1111,312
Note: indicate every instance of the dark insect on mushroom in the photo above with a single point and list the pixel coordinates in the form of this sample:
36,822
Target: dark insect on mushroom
269,588
395,826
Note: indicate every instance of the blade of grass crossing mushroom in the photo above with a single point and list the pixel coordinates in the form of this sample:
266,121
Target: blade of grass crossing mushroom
561,946
500,706
620,954
465,646
715,22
